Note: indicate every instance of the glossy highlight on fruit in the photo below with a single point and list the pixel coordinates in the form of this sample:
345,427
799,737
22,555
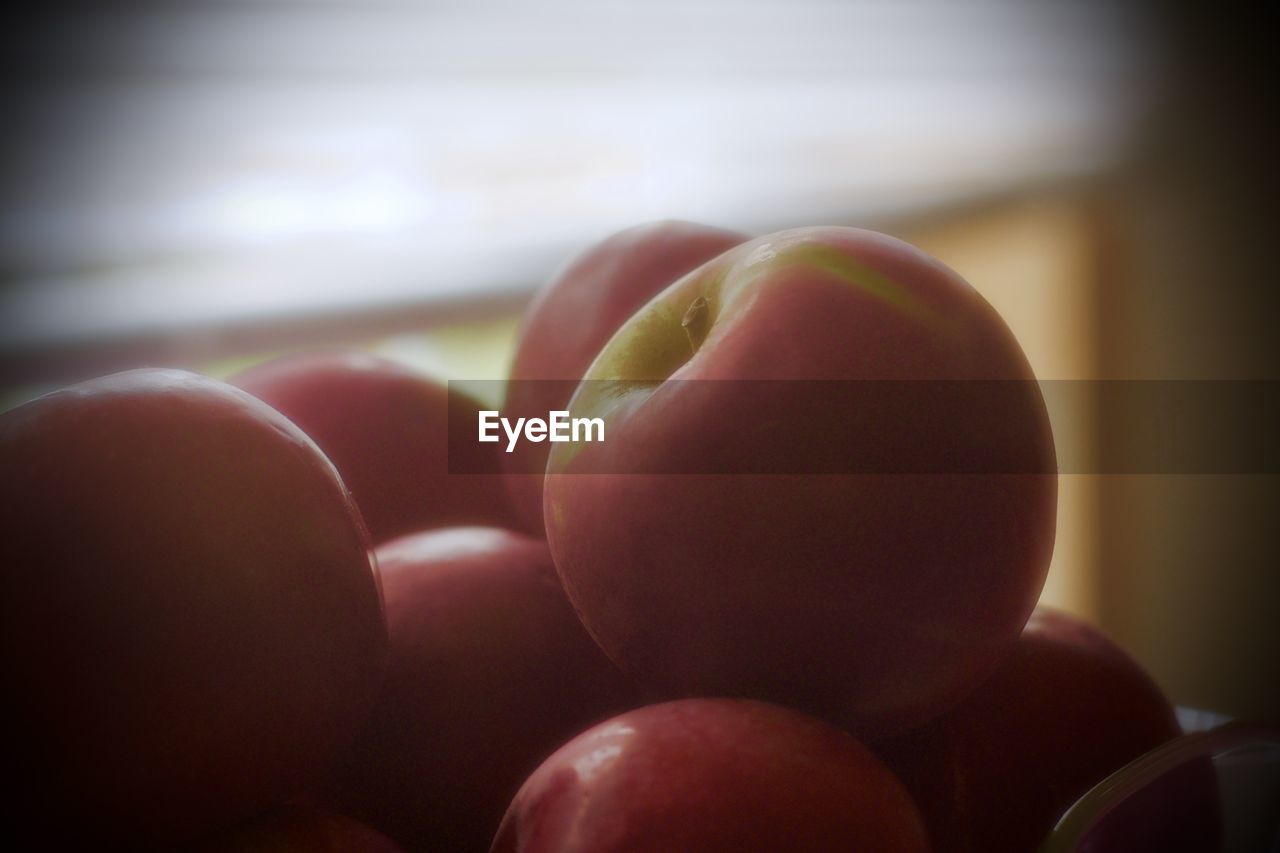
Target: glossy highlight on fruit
709,775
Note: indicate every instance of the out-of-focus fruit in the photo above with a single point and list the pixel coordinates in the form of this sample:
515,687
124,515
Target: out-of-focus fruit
489,672
1181,812
711,775
573,316
389,431
300,829
1066,709
192,624
877,595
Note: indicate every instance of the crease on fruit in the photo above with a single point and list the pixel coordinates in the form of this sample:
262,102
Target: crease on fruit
657,341
696,323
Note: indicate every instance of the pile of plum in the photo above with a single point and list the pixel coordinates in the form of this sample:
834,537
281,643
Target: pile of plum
305,609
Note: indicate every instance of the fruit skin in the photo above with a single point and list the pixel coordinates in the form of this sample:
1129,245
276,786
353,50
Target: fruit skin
299,829
389,430
192,622
877,599
1065,710
710,775
489,672
573,316
1181,812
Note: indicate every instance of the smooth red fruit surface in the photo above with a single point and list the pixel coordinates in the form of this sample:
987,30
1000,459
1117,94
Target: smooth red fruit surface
1066,709
573,316
489,672
387,429
710,775
877,598
191,619
300,829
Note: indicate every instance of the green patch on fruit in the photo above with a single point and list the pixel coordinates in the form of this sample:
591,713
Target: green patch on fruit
662,336
649,349
839,264
656,342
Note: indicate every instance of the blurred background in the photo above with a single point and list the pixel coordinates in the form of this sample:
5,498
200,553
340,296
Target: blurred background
205,184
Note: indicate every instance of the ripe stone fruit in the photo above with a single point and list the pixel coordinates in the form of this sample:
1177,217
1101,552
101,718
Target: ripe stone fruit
191,620
753,526
489,672
299,829
710,775
389,430
573,316
1065,710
